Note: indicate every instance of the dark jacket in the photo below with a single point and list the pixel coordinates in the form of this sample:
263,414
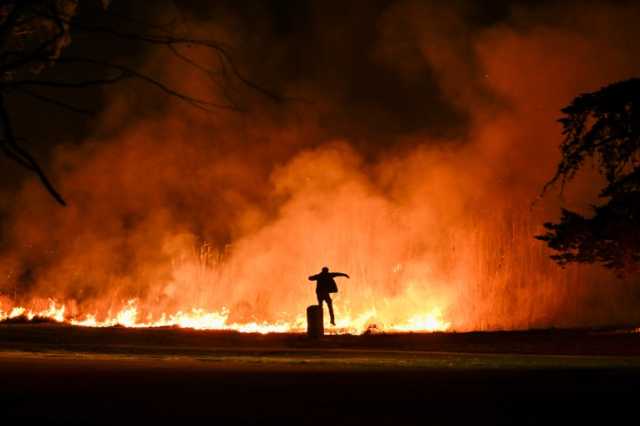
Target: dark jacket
325,281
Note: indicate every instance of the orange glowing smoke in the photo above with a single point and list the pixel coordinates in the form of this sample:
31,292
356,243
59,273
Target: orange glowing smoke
182,219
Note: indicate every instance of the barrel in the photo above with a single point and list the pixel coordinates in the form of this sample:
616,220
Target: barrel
315,325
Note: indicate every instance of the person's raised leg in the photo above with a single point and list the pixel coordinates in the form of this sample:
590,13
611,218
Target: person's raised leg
330,306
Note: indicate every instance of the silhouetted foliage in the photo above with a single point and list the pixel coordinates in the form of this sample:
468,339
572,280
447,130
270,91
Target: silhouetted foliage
605,126
33,38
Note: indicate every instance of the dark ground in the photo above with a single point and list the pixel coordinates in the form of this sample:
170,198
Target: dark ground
56,374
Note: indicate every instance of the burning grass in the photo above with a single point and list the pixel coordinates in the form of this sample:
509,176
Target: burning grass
200,319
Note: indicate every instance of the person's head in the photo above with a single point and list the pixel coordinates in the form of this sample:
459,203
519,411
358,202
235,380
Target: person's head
325,269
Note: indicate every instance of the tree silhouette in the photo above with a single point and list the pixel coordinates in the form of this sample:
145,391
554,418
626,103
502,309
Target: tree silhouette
34,35
605,126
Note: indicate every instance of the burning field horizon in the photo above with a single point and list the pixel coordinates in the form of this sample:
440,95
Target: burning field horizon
410,157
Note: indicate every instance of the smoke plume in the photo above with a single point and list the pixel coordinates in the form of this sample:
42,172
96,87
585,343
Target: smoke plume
409,156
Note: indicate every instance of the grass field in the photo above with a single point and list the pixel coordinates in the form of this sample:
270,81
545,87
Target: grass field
67,375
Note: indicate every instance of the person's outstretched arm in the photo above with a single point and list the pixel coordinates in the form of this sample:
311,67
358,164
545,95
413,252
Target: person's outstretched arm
313,277
339,274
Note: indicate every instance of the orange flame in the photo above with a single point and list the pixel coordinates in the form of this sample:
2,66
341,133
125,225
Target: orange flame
200,319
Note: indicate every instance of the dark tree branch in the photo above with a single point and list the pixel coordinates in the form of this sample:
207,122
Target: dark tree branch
29,21
213,74
83,84
16,152
170,40
132,73
53,101
37,55
603,126
7,27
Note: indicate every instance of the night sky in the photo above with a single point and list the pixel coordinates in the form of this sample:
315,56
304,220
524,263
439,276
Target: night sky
326,44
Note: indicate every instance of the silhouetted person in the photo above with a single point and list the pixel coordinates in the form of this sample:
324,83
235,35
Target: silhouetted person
325,285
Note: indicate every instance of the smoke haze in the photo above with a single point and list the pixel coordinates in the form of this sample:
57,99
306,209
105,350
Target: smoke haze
416,140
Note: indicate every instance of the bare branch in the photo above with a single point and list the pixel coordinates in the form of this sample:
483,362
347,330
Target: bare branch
46,27
132,73
53,101
7,27
14,151
214,74
70,84
35,56
170,40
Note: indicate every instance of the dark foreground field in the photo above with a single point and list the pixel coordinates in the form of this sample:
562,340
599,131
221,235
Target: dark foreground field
55,374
